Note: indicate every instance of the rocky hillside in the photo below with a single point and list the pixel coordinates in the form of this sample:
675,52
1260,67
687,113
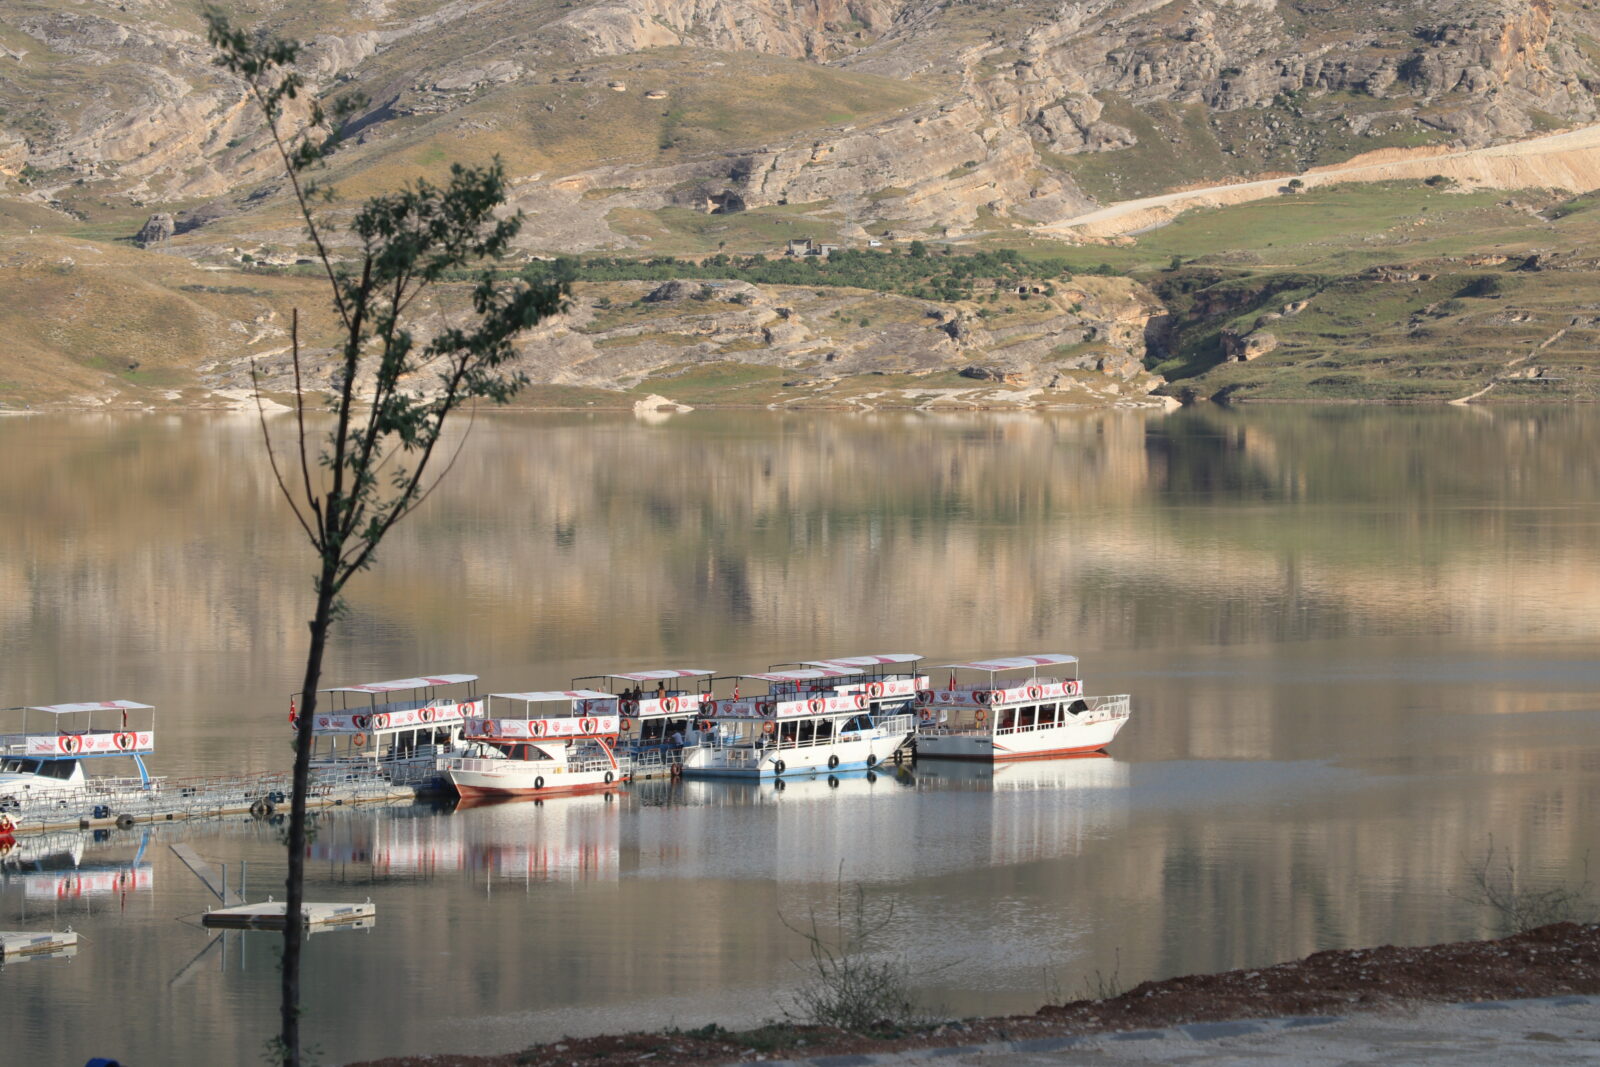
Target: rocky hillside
694,127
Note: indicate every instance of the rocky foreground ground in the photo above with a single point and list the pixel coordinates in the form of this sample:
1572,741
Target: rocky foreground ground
1563,958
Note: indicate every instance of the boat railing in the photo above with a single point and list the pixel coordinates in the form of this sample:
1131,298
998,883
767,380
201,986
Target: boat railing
189,797
764,742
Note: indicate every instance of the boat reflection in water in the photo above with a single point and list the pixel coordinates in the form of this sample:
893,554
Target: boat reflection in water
575,838
51,867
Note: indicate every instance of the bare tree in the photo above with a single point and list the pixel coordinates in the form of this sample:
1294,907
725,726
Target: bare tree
350,484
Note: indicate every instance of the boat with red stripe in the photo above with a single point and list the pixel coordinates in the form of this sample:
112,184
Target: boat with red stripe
1013,712
540,744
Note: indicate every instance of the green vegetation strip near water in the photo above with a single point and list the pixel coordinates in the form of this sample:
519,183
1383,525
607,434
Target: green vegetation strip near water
919,272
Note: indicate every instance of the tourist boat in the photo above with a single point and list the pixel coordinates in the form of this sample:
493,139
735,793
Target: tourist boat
810,720
1029,717
400,727
518,753
45,758
656,713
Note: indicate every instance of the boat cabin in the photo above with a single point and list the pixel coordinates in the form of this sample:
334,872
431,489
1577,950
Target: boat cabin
656,708
405,720
46,746
532,743
1024,699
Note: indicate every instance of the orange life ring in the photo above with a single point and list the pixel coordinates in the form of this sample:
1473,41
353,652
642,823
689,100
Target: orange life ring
768,727
627,724
927,714
380,721
876,689
979,716
490,727
359,740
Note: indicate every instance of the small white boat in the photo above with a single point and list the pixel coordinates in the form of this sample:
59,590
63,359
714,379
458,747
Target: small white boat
402,727
44,759
1033,717
810,721
517,753
656,715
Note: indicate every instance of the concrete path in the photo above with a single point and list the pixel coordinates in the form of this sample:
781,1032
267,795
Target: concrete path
1548,1031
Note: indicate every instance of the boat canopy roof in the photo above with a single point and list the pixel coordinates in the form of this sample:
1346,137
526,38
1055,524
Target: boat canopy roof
807,674
660,675
865,661
102,705
564,694
1013,663
400,684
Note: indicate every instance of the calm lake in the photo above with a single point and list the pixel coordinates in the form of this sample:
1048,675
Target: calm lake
1361,645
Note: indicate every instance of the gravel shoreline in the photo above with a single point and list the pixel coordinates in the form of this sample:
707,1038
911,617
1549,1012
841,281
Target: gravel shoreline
1563,958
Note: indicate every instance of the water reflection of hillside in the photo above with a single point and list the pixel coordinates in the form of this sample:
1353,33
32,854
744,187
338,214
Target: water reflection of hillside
150,556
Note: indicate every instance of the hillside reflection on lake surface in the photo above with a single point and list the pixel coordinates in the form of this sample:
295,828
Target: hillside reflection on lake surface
1359,642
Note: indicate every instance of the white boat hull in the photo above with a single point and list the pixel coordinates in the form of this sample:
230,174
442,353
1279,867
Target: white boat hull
1046,742
526,778
745,761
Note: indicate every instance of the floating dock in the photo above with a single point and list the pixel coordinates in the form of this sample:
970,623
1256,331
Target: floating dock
269,915
14,943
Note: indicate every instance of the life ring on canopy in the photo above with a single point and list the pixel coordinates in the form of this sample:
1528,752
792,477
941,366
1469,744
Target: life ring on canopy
876,689
927,714
814,706
769,727
380,721
627,724
979,716
359,740
126,741
490,727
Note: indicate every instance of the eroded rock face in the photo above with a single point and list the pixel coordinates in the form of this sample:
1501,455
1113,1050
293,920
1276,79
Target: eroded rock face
158,228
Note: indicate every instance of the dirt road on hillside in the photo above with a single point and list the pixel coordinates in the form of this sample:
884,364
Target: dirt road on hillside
1569,161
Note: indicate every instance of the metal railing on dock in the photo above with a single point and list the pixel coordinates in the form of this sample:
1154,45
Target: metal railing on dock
123,801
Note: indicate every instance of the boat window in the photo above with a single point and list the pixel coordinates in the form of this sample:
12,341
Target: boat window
19,766
58,768
1026,716
1078,707
1047,714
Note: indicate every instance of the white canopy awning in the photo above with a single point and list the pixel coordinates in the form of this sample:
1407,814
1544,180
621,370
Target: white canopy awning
661,675
102,705
804,675
400,684
1013,663
565,694
865,661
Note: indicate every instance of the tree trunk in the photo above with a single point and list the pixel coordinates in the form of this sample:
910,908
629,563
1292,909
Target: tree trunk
293,925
